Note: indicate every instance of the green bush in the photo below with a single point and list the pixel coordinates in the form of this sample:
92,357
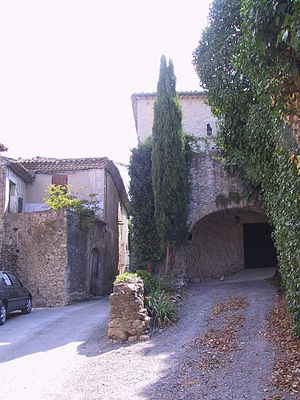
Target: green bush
150,281
157,300
167,283
160,308
125,277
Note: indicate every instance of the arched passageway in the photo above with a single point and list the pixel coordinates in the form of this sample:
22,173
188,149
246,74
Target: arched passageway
228,241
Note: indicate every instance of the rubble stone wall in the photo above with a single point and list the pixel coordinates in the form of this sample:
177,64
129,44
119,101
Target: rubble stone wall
128,317
35,249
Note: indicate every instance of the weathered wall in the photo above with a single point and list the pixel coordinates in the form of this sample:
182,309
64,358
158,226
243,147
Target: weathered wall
82,279
11,202
196,116
111,201
35,249
208,181
217,245
2,199
83,182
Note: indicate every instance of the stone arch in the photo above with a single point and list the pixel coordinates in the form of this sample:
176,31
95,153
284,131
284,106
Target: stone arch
216,247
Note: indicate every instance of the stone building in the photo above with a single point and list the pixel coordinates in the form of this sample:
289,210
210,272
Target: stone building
57,257
227,233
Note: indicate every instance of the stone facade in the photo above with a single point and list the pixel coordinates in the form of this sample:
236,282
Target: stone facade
218,210
209,181
128,317
196,113
55,256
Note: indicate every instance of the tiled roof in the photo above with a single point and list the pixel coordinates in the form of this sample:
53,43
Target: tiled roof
18,169
50,165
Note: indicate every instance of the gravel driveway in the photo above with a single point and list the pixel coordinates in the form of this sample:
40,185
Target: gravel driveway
168,365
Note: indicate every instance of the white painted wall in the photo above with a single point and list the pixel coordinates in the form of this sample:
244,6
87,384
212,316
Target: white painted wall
83,184
19,192
196,116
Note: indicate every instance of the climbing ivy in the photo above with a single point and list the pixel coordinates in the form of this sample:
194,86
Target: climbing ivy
248,59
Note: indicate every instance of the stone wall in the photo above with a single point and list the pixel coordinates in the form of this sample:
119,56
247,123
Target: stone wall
217,245
111,202
86,276
128,317
53,256
2,199
35,249
208,181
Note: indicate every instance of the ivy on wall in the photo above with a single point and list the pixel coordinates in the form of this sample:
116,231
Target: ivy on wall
248,59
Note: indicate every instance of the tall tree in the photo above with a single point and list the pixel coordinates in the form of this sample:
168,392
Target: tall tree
144,243
169,170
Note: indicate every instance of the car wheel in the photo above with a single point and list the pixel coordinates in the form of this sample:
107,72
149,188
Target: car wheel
2,314
28,307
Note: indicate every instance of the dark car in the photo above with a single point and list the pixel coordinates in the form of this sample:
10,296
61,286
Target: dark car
13,296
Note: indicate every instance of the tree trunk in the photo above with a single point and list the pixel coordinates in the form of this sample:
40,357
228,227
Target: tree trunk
168,258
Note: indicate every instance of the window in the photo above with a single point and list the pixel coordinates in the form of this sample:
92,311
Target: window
6,279
15,281
61,180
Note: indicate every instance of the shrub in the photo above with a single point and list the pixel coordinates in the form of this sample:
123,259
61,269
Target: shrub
125,277
150,281
160,308
168,283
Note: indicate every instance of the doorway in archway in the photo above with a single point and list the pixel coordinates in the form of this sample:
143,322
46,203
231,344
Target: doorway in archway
259,248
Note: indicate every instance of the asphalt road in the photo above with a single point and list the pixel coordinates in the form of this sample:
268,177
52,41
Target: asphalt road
38,350
64,353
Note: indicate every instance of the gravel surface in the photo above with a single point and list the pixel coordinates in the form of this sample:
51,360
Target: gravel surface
168,366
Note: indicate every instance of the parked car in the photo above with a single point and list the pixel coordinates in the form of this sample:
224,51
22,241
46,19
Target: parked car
13,296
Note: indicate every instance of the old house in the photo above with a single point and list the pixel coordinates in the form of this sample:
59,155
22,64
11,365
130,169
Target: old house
58,258
227,233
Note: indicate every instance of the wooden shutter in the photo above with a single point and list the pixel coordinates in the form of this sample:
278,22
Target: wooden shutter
60,180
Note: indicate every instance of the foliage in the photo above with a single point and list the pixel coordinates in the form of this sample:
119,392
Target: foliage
127,276
62,197
144,242
157,296
169,169
160,308
168,283
246,59
233,197
150,281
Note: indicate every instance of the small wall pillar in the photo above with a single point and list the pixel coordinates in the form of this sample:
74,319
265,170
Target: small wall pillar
128,317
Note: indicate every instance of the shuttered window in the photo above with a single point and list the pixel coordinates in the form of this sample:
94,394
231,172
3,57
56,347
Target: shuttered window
61,180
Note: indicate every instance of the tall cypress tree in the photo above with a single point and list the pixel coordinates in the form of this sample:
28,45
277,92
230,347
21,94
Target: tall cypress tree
169,170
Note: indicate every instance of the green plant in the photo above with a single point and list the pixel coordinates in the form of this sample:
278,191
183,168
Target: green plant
234,197
160,308
144,242
125,277
248,59
150,281
63,197
169,169
221,200
167,283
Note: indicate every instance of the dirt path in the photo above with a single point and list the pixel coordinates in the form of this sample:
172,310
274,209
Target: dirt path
170,365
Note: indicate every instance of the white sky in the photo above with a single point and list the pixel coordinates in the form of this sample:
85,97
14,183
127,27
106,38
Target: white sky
69,67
